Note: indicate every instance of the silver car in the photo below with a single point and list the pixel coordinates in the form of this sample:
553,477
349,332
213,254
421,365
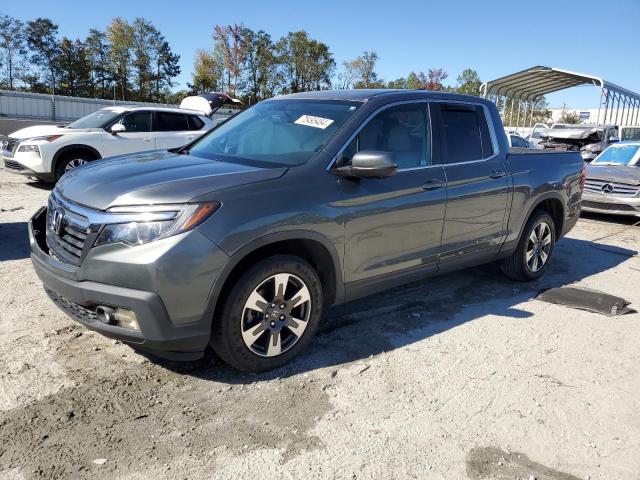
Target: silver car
613,181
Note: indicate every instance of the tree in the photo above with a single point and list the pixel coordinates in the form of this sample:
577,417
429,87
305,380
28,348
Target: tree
434,79
468,82
41,35
98,57
360,72
398,83
305,64
207,73
167,66
260,64
74,68
120,37
569,117
233,43
143,34
12,46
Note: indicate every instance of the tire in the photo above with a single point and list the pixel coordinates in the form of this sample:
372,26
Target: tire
70,161
256,333
522,265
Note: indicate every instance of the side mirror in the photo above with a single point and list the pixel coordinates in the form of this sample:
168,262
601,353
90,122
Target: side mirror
117,128
369,164
613,139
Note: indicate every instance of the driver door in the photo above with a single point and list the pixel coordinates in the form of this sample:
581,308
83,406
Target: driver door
137,136
394,224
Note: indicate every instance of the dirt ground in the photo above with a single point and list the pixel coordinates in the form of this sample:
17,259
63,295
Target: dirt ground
460,376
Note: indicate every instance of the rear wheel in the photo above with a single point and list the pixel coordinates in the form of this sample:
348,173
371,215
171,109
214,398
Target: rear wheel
270,315
534,249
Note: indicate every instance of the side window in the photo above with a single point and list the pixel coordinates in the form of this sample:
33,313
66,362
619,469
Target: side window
402,130
194,122
465,133
137,122
170,122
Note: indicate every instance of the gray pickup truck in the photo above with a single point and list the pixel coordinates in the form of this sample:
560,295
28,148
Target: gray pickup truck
241,240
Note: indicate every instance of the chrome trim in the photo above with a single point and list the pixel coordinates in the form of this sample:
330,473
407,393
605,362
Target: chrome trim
97,218
485,109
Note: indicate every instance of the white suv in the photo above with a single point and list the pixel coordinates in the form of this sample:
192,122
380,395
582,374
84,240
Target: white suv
48,151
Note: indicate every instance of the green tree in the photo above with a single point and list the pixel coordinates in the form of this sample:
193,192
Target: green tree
232,41
98,57
398,83
120,36
12,47
74,68
143,34
468,82
569,117
41,35
305,64
207,73
260,65
167,67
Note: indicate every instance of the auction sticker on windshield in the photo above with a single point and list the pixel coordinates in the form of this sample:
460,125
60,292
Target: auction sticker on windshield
316,122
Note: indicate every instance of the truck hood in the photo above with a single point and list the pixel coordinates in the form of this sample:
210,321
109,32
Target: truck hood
45,131
156,177
614,173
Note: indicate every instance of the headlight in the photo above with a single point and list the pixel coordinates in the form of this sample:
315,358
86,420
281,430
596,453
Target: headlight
139,230
29,149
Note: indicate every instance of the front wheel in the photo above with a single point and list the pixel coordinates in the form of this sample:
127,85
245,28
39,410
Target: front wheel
534,249
70,162
270,315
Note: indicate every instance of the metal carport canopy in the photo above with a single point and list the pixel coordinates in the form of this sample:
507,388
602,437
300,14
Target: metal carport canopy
531,84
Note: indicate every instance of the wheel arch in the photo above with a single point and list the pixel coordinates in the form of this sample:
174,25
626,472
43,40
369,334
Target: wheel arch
313,247
552,203
64,151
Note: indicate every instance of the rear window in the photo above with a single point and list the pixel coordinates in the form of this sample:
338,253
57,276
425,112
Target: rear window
170,122
465,133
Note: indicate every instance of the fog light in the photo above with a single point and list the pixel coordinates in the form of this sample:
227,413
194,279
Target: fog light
126,319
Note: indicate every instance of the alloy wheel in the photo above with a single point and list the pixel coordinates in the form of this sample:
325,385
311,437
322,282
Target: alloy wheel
76,162
538,247
276,315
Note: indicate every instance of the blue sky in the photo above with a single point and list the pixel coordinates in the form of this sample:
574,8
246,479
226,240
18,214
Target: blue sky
493,37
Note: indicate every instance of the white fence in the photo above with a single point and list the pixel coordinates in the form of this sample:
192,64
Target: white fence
56,108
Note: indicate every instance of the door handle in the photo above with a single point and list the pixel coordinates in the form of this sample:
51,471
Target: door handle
497,174
432,184
147,139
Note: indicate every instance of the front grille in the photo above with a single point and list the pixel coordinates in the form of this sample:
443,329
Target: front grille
621,207
66,233
9,146
618,189
11,165
75,311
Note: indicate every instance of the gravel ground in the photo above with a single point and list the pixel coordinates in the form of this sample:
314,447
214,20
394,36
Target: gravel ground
460,376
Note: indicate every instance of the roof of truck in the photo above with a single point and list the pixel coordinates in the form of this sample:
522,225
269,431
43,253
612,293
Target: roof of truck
363,95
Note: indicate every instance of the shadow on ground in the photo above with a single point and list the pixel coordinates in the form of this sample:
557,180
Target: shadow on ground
411,313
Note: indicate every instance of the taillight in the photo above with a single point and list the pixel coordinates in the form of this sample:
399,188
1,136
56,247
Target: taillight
583,177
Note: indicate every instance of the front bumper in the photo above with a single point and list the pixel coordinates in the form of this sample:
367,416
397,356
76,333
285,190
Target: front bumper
158,334
616,205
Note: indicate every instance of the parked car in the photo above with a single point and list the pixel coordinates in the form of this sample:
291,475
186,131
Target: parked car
516,141
613,181
242,239
535,136
48,151
589,140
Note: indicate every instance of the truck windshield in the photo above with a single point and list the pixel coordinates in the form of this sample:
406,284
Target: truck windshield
618,155
98,119
281,132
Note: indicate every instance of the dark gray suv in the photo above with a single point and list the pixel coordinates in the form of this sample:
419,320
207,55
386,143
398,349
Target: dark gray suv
241,240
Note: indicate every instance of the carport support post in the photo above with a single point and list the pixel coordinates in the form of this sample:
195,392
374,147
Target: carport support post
524,117
518,118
